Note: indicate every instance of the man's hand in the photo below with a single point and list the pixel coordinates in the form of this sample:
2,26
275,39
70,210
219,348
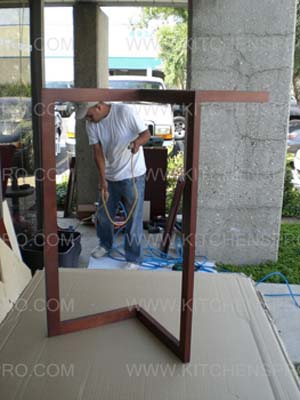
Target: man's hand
104,191
134,146
142,139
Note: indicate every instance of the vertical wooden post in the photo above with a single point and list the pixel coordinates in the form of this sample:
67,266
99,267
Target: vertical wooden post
50,221
189,227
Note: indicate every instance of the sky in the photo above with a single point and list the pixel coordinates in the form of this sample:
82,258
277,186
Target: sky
123,42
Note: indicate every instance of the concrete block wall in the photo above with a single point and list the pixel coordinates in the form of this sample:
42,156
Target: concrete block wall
239,45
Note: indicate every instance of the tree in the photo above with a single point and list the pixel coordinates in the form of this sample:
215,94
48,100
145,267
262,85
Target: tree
170,25
179,15
296,75
173,52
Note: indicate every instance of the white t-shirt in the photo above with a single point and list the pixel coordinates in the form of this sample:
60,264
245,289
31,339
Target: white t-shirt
115,132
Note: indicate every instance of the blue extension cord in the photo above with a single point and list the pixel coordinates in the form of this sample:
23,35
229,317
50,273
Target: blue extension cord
155,258
291,294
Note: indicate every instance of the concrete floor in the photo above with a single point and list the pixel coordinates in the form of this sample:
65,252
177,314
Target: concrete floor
89,240
286,316
88,236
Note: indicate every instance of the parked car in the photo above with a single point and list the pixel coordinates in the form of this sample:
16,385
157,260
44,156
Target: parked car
64,108
71,135
293,140
294,109
158,117
16,129
179,116
297,162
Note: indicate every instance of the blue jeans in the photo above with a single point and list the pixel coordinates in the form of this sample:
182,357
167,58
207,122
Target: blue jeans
123,191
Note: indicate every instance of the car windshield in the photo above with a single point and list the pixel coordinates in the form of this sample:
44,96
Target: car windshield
59,84
131,84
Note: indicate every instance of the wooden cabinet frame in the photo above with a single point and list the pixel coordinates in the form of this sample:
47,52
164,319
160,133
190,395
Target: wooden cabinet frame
192,100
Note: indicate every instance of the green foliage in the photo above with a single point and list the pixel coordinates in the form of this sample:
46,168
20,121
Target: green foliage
179,15
61,193
173,52
15,90
297,43
291,196
288,259
175,169
296,76
172,38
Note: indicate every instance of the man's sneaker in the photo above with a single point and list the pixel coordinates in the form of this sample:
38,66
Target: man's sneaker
131,266
98,252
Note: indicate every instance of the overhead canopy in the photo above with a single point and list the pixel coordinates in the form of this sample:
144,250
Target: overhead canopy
137,3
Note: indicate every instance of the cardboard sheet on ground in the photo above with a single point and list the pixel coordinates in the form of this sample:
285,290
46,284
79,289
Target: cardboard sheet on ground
11,230
5,304
236,352
14,276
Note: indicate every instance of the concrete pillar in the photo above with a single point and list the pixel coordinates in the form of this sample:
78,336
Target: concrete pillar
90,71
240,45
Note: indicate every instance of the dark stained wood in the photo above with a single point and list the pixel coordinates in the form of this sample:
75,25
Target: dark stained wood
85,95
189,228
70,190
95,320
156,159
166,96
50,218
158,330
167,236
225,96
181,347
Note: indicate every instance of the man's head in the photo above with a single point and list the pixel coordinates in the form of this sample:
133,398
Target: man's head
93,112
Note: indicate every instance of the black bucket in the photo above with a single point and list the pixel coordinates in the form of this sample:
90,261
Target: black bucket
69,249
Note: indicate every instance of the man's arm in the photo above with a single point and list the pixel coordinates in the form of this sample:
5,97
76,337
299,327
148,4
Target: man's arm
100,163
142,139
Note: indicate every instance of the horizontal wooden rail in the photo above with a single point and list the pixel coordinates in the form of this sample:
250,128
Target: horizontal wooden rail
193,101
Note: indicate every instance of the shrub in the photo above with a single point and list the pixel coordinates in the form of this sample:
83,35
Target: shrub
61,193
175,169
15,90
291,196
